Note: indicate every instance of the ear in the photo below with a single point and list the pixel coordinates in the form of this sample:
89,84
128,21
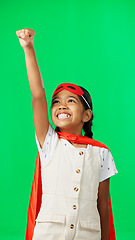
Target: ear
87,115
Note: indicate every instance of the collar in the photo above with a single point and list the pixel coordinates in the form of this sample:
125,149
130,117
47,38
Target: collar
81,139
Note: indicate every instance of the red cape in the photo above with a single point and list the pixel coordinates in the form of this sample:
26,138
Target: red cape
36,191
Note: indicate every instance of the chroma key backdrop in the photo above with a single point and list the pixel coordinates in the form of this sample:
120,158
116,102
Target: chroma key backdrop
89,43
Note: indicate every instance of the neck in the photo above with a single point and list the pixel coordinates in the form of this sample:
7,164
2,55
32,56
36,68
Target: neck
72,132
79,145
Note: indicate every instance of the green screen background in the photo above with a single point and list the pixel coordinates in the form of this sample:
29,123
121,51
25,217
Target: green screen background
89,43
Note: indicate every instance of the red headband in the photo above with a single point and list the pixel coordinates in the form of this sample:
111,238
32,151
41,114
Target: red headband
69,87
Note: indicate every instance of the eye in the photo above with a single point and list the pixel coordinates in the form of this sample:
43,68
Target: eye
55,102
71,100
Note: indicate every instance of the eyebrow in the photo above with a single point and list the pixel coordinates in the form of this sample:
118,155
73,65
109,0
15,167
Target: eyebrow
67,97
73,97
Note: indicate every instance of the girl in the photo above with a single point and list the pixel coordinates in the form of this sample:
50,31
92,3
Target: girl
75,169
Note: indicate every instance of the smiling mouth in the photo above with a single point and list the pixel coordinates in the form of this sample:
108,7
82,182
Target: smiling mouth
63,116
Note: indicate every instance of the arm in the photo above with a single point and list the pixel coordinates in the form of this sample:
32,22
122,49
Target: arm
103,208
39,103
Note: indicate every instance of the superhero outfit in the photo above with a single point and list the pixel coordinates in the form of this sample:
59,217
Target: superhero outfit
38,187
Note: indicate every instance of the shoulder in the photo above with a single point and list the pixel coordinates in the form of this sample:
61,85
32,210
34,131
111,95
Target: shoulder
97,143
50,139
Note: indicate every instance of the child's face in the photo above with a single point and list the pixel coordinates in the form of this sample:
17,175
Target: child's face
68,113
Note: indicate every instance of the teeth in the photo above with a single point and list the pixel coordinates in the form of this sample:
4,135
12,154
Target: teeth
63,115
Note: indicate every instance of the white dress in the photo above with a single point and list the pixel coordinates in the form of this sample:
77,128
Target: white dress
70,180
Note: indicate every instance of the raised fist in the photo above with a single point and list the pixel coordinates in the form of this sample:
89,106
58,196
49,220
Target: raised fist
26,37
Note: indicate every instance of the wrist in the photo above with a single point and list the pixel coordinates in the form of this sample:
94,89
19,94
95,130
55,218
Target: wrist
28,49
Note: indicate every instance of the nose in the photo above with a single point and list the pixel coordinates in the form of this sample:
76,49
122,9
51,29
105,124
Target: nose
62,107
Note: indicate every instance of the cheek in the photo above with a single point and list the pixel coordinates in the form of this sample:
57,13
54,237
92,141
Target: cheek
53,113
78,110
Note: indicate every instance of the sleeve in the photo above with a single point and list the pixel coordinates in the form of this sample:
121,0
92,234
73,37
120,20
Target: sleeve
108,168
49,145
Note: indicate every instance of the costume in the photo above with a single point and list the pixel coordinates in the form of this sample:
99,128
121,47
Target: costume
67,200
36,193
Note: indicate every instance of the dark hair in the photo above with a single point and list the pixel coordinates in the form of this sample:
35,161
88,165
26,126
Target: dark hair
87,125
